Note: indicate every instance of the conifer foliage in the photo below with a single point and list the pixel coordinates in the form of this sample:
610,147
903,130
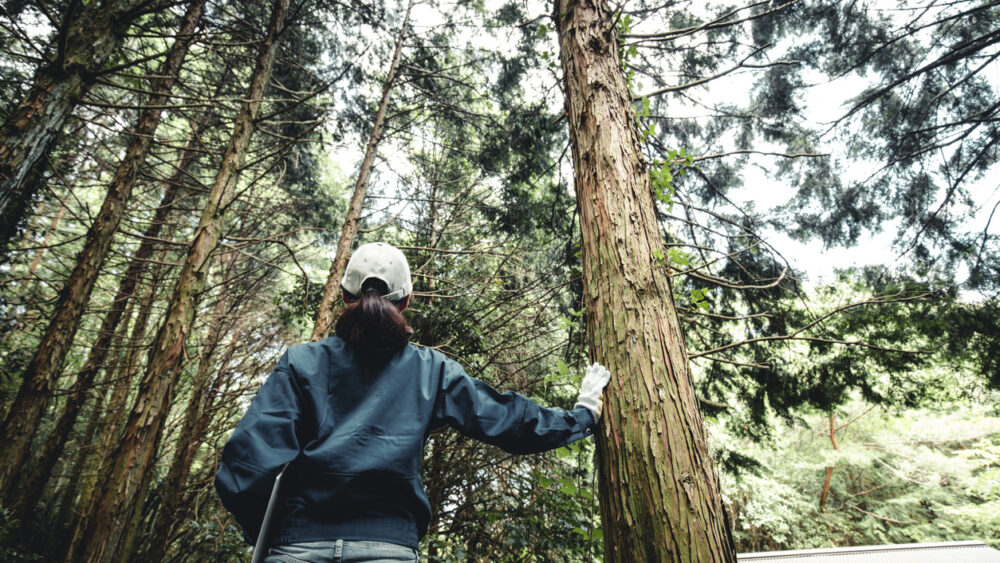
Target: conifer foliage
181,183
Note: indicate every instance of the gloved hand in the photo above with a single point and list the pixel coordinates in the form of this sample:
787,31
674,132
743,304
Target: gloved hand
595,378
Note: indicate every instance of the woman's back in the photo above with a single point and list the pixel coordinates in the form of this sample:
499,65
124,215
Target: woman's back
349,415
356,429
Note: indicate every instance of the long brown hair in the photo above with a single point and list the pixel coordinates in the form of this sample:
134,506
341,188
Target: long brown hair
371,323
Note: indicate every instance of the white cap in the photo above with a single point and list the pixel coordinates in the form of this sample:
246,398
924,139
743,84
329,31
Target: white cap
381,261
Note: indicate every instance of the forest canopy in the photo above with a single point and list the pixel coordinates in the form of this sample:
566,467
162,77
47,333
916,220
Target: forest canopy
815,221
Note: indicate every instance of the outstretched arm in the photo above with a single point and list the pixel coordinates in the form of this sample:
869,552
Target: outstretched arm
511,421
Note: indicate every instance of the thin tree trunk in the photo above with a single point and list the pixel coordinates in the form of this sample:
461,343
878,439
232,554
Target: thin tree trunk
829,470
87,443
433,463
126,293
660,498
113,419
123,488
120,336
432,471
89,34
40,376
192,430
331,291
32,484
45,242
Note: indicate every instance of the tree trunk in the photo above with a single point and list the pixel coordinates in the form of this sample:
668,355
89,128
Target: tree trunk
113,418
91,31
192,429
331,291
829,470
87,442
45,242
39,378
74,477
123,487
660,498
32,484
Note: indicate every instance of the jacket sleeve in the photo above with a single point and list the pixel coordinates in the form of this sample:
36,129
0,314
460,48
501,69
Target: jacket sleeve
510,421
264,440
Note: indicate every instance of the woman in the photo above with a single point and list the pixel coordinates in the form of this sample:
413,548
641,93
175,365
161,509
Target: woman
351,413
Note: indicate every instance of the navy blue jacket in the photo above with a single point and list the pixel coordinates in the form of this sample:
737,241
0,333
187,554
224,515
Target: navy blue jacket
356,432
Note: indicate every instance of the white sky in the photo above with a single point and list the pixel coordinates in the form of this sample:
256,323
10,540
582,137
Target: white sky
824,102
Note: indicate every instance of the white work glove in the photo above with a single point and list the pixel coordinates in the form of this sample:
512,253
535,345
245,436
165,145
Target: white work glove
595,378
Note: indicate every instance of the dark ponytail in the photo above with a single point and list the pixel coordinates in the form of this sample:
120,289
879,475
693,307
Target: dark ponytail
372,324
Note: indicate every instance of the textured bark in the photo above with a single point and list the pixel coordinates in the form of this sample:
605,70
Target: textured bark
829,470
331,291
123,487
91,32
660,498
432,470
192,430
88,441
31,484
39,378
113,416
74,477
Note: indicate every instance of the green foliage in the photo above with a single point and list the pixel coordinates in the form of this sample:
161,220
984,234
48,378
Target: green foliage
663,172
894,341
899,476
473,165
918,119
8,527
213,540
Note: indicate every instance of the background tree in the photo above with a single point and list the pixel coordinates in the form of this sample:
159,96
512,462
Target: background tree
331,290
472,179
26,412
86,37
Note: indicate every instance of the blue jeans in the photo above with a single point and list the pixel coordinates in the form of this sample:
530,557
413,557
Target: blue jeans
341,551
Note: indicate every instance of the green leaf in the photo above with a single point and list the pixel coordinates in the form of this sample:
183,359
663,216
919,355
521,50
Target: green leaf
678,257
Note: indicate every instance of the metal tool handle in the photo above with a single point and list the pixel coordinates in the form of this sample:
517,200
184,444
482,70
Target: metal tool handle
260,548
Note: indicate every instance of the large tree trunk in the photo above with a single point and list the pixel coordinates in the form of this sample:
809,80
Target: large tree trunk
39,378
660,497
123,488
331,291
91,31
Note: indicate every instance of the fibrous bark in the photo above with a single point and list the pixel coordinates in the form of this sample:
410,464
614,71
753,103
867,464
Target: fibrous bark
122,490
660,498
40,376
191,433
829,470
89,35
114,413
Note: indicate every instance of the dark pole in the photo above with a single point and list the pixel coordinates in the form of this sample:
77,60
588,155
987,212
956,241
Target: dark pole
260,548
